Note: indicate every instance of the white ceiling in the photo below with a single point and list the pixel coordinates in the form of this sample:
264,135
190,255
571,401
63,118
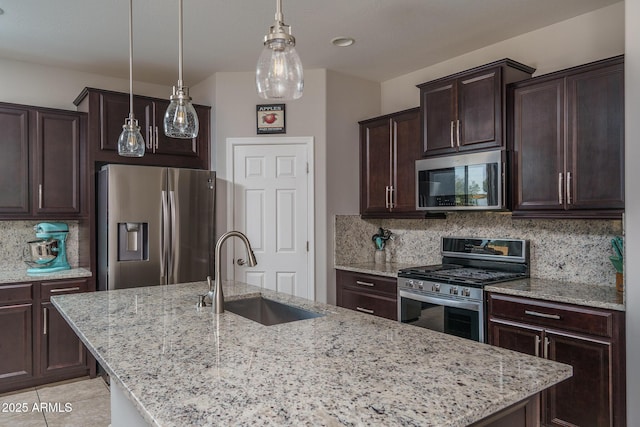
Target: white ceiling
393,37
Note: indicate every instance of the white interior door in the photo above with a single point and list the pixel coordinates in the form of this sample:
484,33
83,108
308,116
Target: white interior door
271,205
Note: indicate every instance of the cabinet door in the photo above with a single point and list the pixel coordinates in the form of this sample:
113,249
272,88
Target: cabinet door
16,343
375,166
595,139
479,99
14,161
114,109
56,160
62,350
439,111
514,336
406,130
585,398
538,134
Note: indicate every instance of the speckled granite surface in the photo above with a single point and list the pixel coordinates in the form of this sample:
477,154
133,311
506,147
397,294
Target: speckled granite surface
386,269
180,365
572,293
21,275
566,250
14,236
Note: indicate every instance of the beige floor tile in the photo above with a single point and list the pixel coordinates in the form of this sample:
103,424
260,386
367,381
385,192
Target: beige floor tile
24,395
73,391
95,412
29,419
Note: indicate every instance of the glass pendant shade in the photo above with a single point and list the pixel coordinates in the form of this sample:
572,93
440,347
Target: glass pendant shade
279,71
130,142
181,119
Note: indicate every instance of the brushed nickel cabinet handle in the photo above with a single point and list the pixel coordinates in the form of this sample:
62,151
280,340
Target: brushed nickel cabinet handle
560,188
359,282
392,194
537,350
452,124
155,146
568,188
546,347
39,196
458,132
45,320
545,315
364,310
149,143
75,288
387,203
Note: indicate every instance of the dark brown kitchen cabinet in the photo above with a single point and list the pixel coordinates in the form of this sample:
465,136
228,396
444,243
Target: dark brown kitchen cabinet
37,345
591,340
42,167
466,111
568,143
367,293
107,111
389,147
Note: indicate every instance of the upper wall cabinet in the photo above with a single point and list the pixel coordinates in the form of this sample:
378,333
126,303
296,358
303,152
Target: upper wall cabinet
107,112
389,147
568,143
466,111
42,163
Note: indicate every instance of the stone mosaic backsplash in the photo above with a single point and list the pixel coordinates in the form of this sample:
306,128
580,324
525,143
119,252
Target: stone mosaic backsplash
14,236
566,250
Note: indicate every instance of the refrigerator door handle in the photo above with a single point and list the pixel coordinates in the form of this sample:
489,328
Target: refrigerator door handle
171,248
164,238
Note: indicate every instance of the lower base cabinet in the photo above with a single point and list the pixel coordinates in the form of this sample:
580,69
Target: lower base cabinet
367,293
37,345
590,340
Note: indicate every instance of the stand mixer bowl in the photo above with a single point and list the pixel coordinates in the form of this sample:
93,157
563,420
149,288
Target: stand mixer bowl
43,251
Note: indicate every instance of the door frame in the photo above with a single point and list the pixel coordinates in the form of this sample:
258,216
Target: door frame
309,143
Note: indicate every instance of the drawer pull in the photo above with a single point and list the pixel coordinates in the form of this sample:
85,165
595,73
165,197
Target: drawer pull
45,318
537,350
75,288
546,347
364,310
359,282
546,316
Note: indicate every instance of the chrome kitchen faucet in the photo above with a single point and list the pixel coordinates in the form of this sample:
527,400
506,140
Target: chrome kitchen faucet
215,296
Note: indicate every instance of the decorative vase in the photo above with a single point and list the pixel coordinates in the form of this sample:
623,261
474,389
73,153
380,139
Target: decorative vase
380,256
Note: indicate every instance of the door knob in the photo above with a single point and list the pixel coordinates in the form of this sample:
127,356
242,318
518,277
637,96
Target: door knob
240,261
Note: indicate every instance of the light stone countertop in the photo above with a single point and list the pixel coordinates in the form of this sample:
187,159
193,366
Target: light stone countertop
180,365
544,289
15,276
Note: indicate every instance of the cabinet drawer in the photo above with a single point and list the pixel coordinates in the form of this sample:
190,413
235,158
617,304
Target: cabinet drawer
367,282
15,293
377,305
49,289
557,315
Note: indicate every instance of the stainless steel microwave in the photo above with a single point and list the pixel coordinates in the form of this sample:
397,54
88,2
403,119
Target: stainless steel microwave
473,181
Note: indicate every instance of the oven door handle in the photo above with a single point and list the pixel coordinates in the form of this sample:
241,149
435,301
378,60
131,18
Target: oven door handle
467,305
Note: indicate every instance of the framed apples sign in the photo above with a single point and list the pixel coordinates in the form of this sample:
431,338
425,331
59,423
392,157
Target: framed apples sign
270,118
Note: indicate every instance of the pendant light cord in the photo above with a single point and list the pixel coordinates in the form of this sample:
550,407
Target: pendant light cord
180,45
279,16
131,59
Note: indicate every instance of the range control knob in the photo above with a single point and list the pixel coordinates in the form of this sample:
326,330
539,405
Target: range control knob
453,290
411,284
435,287
466,292
420,285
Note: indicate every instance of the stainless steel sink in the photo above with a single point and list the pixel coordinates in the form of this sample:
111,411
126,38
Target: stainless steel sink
267,312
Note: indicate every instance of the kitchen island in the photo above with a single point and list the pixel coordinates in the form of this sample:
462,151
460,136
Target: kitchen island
181,365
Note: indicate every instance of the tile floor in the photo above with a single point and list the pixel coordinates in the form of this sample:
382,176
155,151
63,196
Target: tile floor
76,403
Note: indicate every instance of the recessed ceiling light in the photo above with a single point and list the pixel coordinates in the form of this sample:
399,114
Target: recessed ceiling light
342,41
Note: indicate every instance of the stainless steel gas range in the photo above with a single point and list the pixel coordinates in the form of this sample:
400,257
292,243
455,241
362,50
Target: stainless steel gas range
449,297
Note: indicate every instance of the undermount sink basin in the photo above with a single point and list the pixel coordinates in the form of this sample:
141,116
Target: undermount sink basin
267,312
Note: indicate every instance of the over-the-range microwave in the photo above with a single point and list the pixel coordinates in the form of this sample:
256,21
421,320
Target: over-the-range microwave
473,181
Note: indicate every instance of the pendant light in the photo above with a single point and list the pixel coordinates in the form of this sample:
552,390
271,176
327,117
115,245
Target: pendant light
130,142
180,120
279,70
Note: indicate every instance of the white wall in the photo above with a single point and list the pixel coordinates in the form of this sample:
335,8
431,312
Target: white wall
632,211
585,38
43,86
349,99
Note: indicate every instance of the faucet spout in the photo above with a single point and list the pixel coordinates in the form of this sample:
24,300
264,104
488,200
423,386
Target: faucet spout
215,296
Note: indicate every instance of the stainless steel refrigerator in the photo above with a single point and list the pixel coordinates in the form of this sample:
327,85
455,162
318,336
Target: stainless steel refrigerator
156,225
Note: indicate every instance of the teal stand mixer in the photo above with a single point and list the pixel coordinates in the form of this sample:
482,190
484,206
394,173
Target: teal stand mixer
49,252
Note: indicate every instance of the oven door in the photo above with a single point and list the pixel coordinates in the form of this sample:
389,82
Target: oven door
452,316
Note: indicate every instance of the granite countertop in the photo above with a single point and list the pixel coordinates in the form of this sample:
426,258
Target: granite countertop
182,365
15,276
573,293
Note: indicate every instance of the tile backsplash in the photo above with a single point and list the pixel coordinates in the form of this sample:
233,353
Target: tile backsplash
565,250
14,236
